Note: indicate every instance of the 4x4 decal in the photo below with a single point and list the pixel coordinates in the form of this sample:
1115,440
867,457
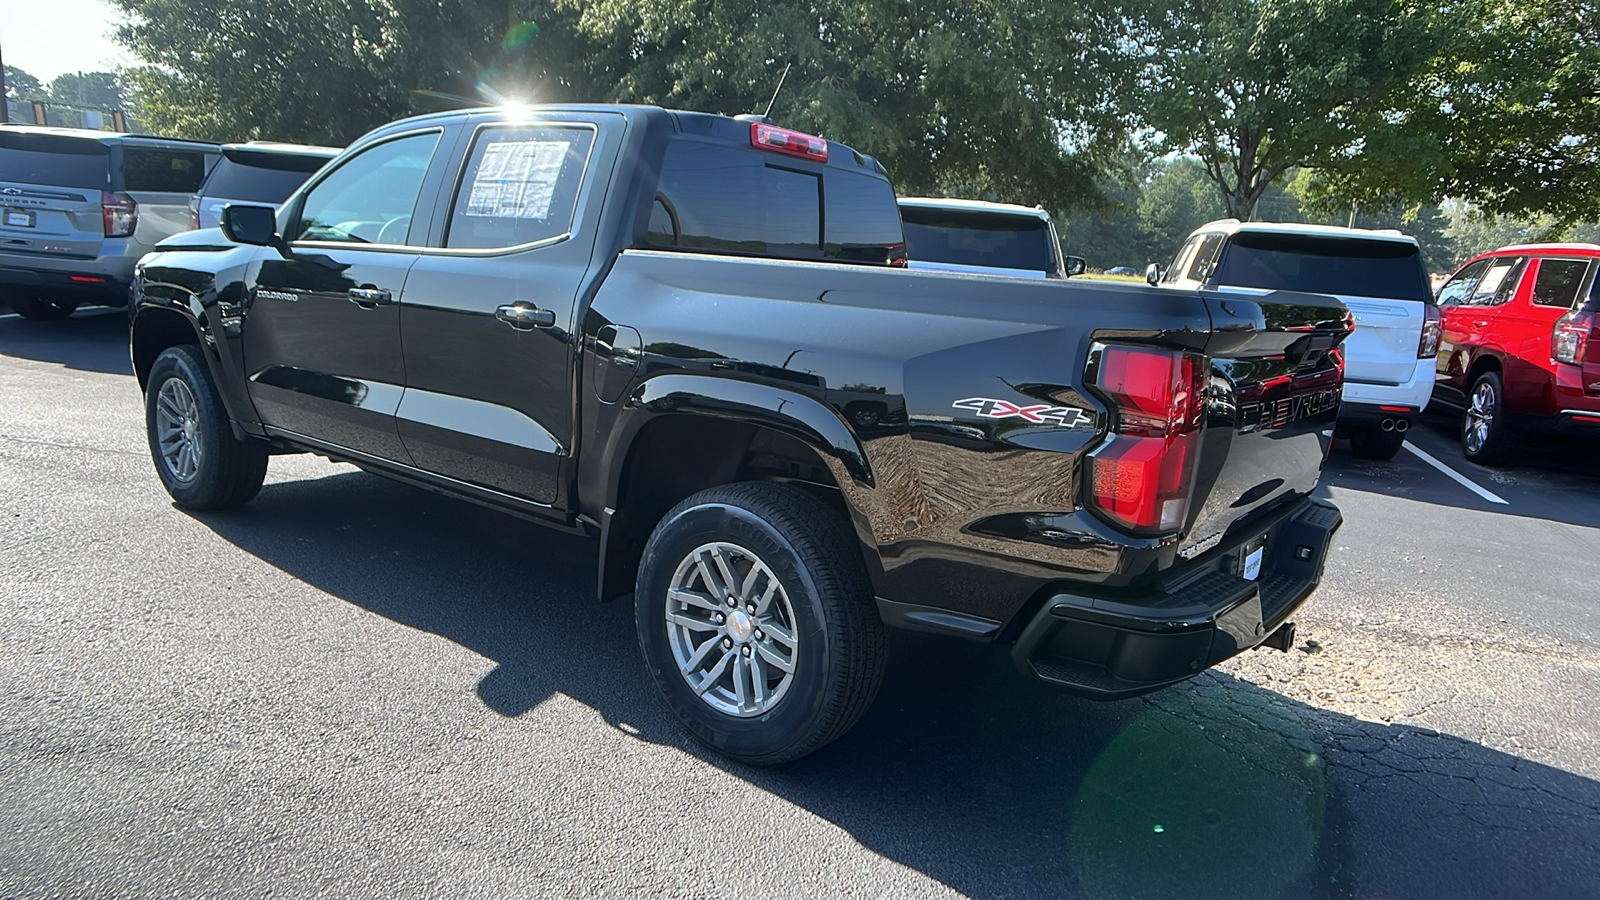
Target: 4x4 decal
1043,413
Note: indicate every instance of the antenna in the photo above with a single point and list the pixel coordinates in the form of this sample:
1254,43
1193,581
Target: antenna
777,89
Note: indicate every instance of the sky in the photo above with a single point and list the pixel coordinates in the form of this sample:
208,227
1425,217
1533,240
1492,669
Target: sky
48,37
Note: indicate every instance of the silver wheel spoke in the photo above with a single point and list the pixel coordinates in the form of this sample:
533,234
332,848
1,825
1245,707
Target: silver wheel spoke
774,658
694,598
712,585
766,598
715,673
692,623
700,654
778,633
741,679
758,678
728,578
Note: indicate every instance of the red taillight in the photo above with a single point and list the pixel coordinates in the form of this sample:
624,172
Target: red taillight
194,213
1428,345
120,212
782,140
1141,478
87,279
1570,338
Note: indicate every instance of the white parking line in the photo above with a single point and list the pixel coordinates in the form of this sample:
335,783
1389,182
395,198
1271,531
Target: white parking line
1460,479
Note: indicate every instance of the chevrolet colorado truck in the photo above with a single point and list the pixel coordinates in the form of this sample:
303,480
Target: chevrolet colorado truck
693,337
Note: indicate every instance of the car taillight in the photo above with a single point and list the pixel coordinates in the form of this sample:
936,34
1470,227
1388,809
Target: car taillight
782,140
1142,477
1570,338
194,213
121,214
1428,346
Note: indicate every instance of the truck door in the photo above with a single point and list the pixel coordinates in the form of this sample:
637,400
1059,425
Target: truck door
488,317
322,331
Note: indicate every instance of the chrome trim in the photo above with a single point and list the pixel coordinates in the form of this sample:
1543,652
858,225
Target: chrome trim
1581,412
477,418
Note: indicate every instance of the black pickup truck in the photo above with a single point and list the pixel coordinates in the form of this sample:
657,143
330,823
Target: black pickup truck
694,338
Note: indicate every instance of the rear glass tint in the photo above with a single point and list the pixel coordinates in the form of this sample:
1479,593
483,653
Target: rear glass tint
730,199
1352,267
51,161
260,177
994,240
162,171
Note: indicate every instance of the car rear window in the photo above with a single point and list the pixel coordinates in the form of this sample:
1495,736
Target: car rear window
52,161
259,177
162,171
1349,266
729,199
994,240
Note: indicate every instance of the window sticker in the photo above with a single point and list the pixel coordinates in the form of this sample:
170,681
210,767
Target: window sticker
517,179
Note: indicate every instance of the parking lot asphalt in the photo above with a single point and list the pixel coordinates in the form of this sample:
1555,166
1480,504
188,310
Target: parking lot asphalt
354,688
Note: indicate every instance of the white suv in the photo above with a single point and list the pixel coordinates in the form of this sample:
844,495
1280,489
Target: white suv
981,238
1379,275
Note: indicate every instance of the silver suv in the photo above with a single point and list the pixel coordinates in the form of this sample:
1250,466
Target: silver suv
78,208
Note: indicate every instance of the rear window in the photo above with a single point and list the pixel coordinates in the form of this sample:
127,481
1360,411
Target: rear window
260,177
1352,267
52,161
716,197
162,171
995,240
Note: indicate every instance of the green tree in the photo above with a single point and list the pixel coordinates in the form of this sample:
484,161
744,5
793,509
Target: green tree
325,71
87,90
22,86
1505,117
1255,88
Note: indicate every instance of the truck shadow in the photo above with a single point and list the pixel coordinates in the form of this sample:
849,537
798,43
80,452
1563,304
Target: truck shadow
94,340
962,770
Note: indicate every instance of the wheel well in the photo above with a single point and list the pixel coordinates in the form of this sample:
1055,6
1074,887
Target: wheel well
154,331
1481,365
677,456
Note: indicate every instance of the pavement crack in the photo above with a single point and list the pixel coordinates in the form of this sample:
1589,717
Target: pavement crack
67,445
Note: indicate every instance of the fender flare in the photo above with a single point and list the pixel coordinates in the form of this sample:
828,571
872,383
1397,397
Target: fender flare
790,412
192,313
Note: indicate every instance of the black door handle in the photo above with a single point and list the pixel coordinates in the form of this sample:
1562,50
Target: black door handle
523,316
369,297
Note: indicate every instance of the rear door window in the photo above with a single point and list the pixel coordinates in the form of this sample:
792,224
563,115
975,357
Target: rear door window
51,161
1498,283
970,238
1558,282
1205,256
162,171
1352,267
520,186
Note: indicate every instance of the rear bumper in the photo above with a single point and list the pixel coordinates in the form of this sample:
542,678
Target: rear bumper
1113,648
1415,392
1577,422
1373,415
55,275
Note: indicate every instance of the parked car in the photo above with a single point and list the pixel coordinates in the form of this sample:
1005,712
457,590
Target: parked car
78,208
1519,352
978,237
1378,274
257,172
1122,270
688,336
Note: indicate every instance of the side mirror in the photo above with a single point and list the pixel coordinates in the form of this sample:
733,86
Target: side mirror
255,225
1152,274
1076,265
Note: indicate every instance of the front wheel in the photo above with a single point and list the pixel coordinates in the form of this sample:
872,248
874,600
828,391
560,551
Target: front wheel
33,306
200,462
1486,436
755,618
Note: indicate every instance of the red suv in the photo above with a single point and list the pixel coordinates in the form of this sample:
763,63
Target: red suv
1519,350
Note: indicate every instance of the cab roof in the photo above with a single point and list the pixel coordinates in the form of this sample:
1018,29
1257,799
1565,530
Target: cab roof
982,206
1234,226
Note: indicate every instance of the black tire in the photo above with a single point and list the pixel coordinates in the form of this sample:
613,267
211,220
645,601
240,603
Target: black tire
839,659
1375,443
34,306
1487,438
228,471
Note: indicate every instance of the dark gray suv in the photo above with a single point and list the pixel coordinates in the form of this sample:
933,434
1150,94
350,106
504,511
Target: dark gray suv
78,208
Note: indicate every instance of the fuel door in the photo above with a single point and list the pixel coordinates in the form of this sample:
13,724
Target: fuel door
615,361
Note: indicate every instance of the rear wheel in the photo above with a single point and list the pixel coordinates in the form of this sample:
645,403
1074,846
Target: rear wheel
35,306
1375,443
755,619
1486,437
201,464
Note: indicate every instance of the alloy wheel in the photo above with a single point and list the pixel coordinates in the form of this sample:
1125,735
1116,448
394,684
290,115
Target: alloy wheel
1480,416
731,629
178,429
